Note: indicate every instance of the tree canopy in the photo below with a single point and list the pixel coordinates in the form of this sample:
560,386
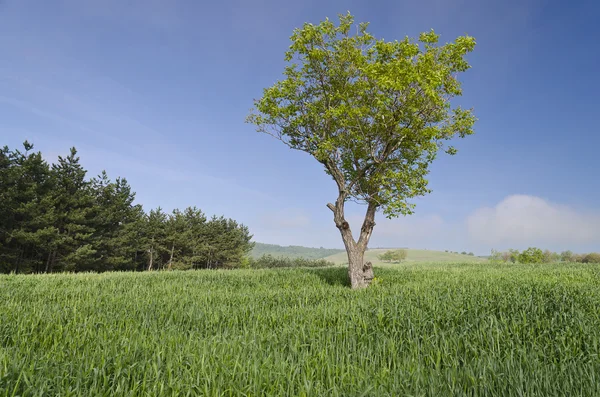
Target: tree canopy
373,112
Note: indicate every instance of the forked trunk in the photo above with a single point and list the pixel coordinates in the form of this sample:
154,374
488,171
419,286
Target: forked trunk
359,272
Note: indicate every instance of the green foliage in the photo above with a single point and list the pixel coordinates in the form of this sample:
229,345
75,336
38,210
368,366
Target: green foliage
531,255
52,218
567,256
593,257
393,255
461,330
496,256
292,251
269,261
373,112
550,256
536,255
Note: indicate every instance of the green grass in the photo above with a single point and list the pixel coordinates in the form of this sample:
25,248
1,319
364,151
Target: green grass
435,330
413,256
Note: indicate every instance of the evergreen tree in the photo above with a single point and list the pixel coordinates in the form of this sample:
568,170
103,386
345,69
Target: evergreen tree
154,239
177,239
115,222
73,201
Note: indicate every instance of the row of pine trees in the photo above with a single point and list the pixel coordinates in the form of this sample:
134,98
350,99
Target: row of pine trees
54,219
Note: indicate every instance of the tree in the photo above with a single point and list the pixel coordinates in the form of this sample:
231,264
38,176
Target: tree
567,256
373,113
393,256
550,256
27,213
513,255
176,235
496,256
116,224
72,199
531,255
399,255
593,257
385,257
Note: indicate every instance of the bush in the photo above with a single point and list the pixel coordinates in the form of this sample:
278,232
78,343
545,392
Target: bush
269,261
550,256
531,255
566,256
393,256
593,257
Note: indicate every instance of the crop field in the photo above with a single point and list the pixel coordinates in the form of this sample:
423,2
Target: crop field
434,330
414,256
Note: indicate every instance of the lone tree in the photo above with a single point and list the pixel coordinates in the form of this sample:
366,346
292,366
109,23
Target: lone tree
393,256
374,113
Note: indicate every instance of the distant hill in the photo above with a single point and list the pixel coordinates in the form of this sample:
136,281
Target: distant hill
413,256
293,251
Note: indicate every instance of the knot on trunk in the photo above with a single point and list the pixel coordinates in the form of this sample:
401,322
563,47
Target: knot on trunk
368,272
343,226
368,225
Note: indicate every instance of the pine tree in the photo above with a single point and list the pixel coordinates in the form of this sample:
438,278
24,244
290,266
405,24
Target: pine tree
155,238
73,201
114,222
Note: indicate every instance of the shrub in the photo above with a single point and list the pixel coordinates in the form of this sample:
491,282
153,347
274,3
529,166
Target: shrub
566,256
593,257
393,256
531,255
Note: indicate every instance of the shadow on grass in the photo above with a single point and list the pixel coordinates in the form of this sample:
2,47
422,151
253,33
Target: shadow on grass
332,275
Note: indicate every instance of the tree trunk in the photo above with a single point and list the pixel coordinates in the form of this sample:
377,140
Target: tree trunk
48,261
50,266
355,268
151,252
359,273
171,258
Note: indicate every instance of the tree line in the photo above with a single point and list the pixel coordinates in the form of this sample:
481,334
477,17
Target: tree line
536,255
54,219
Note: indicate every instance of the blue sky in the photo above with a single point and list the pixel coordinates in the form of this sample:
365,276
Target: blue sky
157,91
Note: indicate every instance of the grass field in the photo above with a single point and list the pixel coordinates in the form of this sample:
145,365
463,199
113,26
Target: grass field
413,256
434,330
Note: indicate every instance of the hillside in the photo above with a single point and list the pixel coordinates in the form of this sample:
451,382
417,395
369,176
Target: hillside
413,256
293,251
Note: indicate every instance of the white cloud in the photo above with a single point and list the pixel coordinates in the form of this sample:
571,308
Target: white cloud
522,220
